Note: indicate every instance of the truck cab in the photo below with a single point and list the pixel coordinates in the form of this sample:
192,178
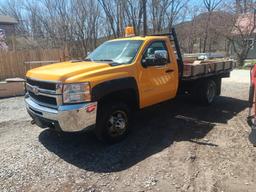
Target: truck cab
101,91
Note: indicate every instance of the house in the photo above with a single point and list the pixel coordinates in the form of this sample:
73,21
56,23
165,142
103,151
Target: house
7,25
244,35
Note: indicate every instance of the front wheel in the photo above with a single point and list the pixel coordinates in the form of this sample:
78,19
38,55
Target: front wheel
112,122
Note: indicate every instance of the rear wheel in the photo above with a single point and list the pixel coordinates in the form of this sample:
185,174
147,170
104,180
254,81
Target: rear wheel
207,92
112,122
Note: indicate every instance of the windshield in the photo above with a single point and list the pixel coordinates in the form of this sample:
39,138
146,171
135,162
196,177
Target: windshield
121,52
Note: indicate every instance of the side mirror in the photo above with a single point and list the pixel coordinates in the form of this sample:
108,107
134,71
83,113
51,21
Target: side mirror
160,57
161,54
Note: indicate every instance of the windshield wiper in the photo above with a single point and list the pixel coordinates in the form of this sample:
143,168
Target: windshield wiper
88,59
110,60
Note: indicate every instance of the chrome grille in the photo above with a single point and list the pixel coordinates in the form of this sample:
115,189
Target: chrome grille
45,93
43,99
42,84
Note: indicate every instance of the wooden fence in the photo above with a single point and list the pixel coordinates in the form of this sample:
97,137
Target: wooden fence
16,63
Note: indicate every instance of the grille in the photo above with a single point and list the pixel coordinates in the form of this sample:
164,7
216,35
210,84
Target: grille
43,99
42,85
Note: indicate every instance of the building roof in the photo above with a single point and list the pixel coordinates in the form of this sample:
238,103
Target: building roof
7,19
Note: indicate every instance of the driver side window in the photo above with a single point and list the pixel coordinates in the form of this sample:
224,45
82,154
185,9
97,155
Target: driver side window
155,46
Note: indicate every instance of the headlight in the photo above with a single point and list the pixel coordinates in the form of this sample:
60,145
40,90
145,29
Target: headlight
76,93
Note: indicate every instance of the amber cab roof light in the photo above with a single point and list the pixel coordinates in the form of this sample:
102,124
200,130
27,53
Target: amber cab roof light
129,31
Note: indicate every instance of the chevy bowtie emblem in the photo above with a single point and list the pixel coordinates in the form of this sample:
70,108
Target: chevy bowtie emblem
35,90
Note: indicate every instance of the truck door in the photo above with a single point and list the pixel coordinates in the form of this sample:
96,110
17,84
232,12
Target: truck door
158,82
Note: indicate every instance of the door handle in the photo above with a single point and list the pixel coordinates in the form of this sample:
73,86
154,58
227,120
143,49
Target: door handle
169,71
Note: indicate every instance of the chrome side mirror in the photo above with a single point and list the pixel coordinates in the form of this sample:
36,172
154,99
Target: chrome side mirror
161,54
161,57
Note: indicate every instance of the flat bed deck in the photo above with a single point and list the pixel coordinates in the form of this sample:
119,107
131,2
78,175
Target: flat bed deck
200,69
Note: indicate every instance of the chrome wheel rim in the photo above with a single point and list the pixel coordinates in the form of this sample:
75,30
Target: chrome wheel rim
117,123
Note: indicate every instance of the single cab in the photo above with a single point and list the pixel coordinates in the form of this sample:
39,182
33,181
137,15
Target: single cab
118,77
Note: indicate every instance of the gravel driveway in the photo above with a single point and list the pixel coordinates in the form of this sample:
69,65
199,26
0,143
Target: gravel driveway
174,146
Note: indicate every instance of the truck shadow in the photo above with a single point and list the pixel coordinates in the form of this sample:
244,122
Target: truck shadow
154,129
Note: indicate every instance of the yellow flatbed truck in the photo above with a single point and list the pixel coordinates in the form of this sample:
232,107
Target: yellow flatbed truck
118,77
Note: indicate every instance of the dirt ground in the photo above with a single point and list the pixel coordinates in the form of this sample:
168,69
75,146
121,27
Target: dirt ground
174,146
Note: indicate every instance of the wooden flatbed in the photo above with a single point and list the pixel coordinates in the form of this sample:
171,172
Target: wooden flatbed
199,69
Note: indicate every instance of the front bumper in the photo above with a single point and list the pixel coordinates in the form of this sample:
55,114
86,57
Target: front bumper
68,118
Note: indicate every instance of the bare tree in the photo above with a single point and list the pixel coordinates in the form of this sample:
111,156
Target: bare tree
174,11
113,10
243,35
189,32
165,13
79,25
144,6
210,5
134,13
14,8
244,6
158,9
86,15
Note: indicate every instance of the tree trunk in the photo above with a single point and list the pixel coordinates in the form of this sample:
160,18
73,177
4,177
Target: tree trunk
240,61
144,4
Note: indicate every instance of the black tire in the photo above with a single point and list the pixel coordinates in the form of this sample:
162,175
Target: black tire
207,92
218,82
112,122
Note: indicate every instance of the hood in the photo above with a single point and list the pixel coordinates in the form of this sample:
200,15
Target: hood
64,70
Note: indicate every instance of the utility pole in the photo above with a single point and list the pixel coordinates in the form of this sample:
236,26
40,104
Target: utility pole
144,6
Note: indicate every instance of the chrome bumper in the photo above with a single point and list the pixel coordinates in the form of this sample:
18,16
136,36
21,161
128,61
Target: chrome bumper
70,118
